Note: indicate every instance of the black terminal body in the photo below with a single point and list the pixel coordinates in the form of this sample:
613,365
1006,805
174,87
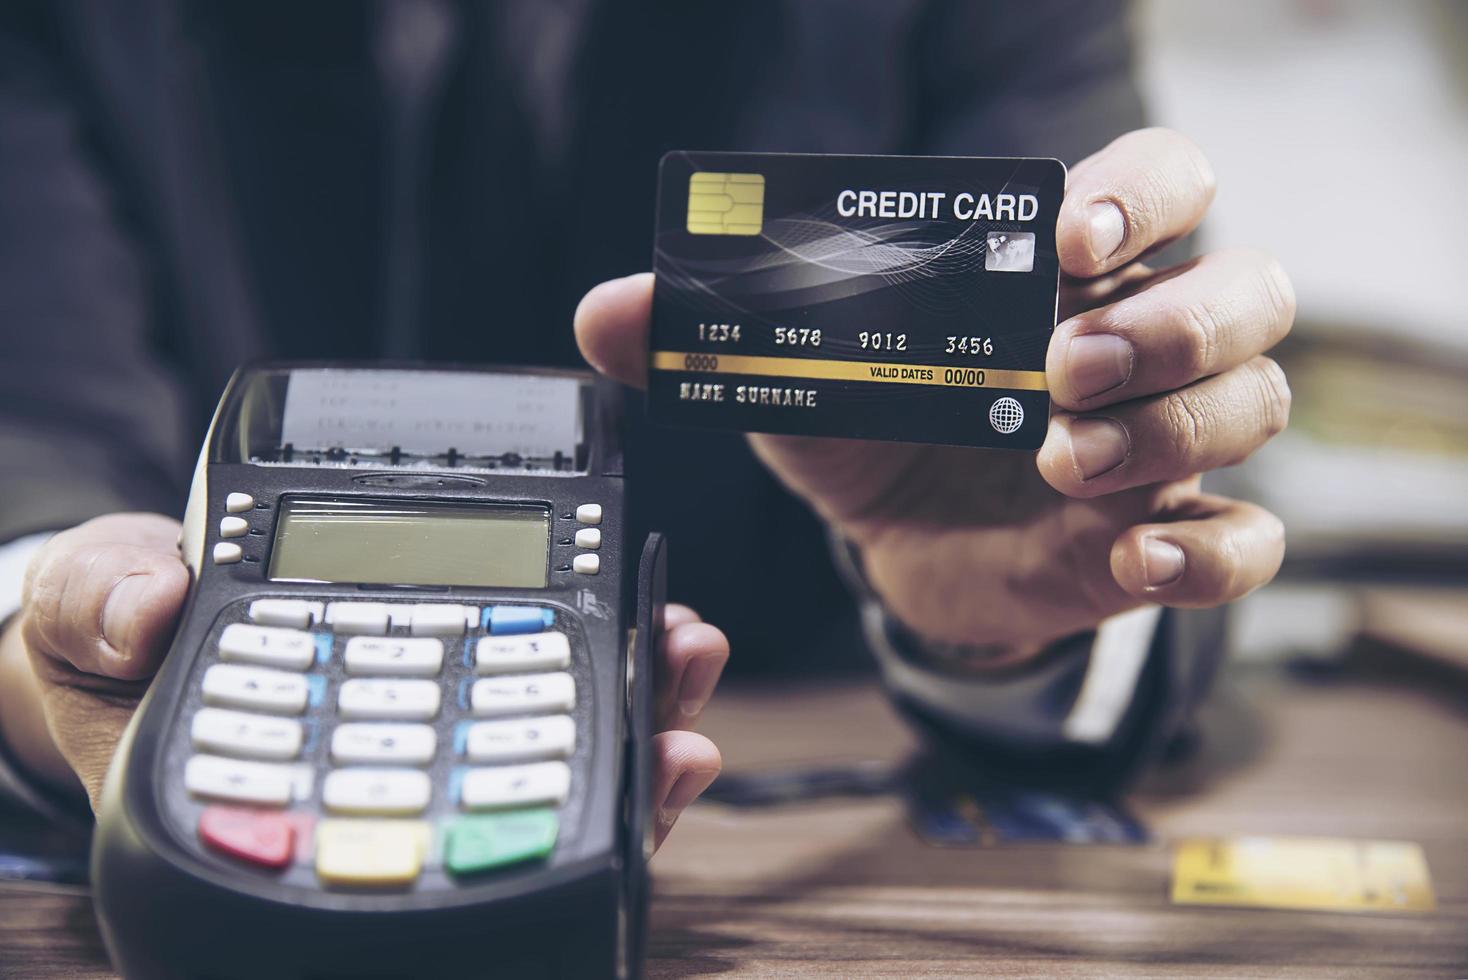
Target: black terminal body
213,869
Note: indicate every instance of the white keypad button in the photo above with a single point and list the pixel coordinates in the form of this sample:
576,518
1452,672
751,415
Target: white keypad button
527,694
238,503
586,564
233,527
380,791
359,617
227,553
239,782
514,786
269,646
389,700
521,739
383,744
589,513
255,688
295,613
588,537
247,736
394,656
441,619
522,654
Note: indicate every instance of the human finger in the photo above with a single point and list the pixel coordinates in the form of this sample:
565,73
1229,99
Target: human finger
1216,422
1219,312
1145,188
1220,550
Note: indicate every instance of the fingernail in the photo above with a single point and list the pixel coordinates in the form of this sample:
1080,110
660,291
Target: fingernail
119,614
687,789
1162,562
700,678
1108,229
1097,362
1097,446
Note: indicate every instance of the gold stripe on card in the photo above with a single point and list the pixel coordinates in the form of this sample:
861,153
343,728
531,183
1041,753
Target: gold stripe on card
880,372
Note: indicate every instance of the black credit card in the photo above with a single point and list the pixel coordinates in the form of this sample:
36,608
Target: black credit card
869,297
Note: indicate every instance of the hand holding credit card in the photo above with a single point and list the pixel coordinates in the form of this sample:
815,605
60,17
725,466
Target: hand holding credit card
1155,376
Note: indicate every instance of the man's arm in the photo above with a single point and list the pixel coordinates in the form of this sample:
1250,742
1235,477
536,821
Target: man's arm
987,567
1049,78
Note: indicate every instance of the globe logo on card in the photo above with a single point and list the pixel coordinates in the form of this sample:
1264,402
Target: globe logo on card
1006,415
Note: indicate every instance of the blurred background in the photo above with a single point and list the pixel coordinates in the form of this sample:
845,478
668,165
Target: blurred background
1339,131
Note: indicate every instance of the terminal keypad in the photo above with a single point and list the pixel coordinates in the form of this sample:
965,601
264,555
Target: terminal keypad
370,681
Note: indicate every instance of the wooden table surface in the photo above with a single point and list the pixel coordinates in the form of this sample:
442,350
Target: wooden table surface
843,889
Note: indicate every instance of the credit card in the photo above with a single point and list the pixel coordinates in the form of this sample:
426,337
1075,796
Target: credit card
1303,873
869,297
990,816
1042,817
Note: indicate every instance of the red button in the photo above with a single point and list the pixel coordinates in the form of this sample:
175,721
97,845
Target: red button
256,836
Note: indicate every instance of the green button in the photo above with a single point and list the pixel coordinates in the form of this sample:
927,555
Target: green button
495,840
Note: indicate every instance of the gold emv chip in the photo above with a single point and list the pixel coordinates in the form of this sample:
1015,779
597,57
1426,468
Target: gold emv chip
726,204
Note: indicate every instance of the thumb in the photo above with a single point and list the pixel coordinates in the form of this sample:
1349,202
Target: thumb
612,325
103,596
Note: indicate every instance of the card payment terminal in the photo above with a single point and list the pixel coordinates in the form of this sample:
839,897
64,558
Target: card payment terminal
403,728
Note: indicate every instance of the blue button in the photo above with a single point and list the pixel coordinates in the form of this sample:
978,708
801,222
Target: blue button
456,783
461,737
501,620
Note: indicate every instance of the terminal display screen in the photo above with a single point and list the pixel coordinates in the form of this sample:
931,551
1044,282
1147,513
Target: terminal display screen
408,542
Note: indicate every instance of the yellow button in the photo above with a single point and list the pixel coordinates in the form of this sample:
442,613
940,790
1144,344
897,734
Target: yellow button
370,853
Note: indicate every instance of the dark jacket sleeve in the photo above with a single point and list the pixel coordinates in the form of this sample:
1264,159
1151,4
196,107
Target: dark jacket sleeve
90,421
1176,670
1039,78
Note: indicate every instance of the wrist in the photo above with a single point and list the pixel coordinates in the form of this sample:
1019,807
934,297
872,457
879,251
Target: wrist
928,645
25,738
960,659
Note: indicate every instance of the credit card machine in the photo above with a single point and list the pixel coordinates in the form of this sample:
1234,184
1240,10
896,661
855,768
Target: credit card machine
403,729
